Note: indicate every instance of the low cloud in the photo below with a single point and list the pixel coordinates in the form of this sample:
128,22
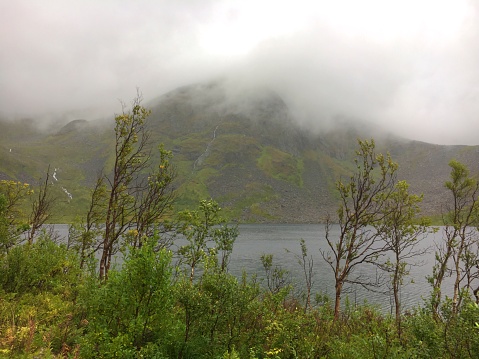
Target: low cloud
410,72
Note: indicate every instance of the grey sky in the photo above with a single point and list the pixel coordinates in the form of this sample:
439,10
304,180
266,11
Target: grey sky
409,66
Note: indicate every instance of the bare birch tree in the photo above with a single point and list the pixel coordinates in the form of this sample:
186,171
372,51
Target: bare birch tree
42,205
360,209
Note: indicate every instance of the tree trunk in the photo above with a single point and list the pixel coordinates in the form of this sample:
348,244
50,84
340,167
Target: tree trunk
192,272
397,302
457,280
102,266
31,235
308,298
337,302
104,261
439,277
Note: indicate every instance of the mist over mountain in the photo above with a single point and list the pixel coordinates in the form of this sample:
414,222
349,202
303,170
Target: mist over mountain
239,145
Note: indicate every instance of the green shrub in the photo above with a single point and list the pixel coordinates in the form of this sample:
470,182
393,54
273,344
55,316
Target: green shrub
43,266
39,284
132,310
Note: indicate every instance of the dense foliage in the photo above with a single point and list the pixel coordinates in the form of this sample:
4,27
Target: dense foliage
149,308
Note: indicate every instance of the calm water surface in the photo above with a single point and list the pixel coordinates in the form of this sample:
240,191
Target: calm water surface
257,239
277,239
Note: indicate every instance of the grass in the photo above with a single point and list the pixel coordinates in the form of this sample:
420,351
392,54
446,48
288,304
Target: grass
281,165
253,199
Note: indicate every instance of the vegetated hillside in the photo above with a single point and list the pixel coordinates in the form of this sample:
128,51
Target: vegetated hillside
246,151
75,153
241,148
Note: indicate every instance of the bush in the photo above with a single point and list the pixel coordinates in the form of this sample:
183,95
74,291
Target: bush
39,284
40,267
132,310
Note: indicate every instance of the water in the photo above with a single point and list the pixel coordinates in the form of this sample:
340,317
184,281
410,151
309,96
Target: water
275,239
282,240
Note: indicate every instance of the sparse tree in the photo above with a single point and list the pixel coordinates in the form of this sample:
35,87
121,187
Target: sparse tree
402,235
154,202
276,276
131,159
85,237
362,202
224,237
206,233
306,262
14,195
127,190
457,255
41,207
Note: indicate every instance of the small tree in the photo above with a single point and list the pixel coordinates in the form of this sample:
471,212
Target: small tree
41,207
85,236
276,276
155,201
401,235
206,233
307,263
460,237
14,195
128,188
362,202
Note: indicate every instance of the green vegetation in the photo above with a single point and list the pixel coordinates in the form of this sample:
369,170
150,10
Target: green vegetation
67,299
194,190
281,165
457,256
256,140
401,235
250,200
363,198
52,308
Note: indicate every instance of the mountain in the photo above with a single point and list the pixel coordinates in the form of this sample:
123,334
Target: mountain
242,148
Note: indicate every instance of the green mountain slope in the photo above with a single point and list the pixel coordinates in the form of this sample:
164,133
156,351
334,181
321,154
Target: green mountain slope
241,148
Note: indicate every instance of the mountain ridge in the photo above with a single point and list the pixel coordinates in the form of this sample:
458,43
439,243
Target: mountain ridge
241,147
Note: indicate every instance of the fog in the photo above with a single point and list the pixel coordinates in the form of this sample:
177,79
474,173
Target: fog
407,66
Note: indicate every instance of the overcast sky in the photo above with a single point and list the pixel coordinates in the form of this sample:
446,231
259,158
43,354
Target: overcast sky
411,66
